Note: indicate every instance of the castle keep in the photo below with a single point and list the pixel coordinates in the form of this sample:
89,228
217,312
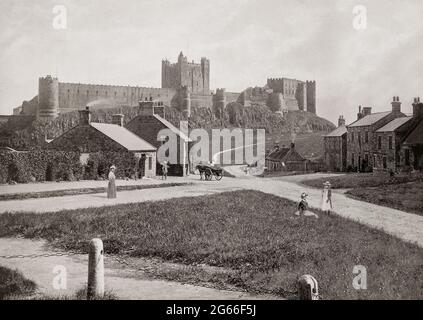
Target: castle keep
185,85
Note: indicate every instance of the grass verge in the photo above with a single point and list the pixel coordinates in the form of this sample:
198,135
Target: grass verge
363,180
73,192
252,233
402,196
14,285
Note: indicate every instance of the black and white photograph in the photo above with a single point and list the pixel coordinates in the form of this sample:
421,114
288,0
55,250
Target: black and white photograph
214,156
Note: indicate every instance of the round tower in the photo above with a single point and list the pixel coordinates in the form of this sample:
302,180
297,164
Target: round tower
48,98
219,102
185,101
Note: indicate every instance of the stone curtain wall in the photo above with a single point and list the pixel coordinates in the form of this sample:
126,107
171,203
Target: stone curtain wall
74,96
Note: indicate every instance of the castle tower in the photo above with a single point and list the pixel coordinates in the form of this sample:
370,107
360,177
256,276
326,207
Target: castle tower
311,96
48,98
219,103
205,70
185,101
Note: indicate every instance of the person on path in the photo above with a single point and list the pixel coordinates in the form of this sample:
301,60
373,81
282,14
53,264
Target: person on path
326,205
111,187
164,170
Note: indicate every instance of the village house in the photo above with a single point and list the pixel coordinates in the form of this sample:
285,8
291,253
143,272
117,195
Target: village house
148,124
287,159
362,138
411,153
335,148
89,137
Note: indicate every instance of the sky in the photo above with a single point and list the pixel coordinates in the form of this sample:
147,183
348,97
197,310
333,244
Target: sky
247,41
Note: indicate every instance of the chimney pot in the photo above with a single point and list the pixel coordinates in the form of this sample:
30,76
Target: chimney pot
85,116
396,105
118,119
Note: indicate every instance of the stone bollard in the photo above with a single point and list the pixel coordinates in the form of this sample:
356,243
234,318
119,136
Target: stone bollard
308,288
95,288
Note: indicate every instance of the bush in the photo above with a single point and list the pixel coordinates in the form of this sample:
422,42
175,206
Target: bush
98,164
28,166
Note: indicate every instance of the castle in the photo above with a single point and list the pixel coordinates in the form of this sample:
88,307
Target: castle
185,85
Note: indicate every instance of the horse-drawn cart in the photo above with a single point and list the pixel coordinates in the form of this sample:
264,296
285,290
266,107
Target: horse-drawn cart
210,171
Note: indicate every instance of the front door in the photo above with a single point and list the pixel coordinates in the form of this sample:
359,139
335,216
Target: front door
141,167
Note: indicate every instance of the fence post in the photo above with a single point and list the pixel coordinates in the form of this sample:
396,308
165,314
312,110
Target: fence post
95,288
308,288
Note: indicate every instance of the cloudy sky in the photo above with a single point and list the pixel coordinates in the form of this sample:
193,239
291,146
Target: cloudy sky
123,42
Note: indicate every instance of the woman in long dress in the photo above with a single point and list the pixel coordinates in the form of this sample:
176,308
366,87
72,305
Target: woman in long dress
326,197
111,188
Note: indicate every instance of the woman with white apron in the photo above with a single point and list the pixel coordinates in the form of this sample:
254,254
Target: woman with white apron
326,205
111,188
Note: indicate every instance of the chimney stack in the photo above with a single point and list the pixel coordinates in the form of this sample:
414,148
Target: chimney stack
341,121
367,111
417,108
118,119
146,108
85,116
359,114
396,105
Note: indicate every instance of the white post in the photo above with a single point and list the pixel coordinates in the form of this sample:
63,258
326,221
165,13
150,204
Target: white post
308,288
95,288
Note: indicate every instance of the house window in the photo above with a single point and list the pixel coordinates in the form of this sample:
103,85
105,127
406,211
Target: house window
407,157
352,136
366,137
379,142
390,142
150,163
359,138
384,163
366,159
352,159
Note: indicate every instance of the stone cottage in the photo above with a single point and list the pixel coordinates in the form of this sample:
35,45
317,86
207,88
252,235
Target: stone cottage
335,148
362,138
90,137
148,124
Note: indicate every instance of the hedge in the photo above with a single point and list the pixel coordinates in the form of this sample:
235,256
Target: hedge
39,166
47,165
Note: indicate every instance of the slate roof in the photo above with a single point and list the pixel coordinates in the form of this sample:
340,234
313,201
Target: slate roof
285,155
416,135
278,154
338,132
175,130
394,124
123,136
369,119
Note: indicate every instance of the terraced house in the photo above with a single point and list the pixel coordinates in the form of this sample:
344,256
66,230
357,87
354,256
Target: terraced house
363,141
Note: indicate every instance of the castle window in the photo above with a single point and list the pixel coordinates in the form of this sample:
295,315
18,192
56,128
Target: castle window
88,93
96,93
115,93
106,93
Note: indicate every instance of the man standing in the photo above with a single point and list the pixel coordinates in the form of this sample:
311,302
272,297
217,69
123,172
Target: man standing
164,170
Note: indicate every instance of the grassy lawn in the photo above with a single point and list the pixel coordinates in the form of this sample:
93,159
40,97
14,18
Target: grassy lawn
402,196
73,192
14,285
403,191
363,180
253,234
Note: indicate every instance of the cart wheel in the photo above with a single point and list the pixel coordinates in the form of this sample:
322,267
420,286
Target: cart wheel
208,174
218,176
